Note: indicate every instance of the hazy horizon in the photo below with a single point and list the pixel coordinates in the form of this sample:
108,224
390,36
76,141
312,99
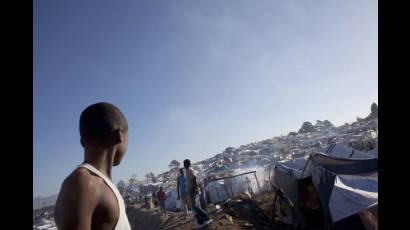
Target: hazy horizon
212,154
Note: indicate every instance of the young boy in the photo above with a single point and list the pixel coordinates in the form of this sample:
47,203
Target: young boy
182,192
88,199
162,197
201,217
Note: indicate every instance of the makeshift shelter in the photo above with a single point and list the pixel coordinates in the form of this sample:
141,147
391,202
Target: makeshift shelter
288,177
218,191
344,179
221,188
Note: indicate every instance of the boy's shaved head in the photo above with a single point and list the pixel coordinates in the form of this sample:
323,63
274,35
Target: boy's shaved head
98,121
82,202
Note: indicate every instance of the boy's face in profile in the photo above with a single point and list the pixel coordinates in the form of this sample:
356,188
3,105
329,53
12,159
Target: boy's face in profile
122,148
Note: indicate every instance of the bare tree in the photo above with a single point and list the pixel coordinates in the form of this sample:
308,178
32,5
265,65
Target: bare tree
174,165
121,186
153,178
133,179
148,177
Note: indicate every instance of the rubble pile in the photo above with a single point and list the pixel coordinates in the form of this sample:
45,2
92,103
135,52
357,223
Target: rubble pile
249,211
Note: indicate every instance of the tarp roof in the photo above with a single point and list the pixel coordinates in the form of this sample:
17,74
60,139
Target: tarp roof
295,166
342,151
352,194
338,174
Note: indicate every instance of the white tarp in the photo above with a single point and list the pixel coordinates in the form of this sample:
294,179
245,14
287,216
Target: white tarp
352,194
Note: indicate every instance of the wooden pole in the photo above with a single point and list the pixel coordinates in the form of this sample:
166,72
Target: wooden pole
221,178
254,173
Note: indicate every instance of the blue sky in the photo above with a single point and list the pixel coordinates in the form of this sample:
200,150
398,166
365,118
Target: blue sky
194,77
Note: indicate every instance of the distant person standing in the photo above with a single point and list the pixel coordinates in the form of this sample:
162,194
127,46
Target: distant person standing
154,197
162,197
147,206
182,191
201,217
88,199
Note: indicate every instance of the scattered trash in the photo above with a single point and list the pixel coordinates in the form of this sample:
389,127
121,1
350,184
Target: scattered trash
247,210
218,208
229,218
246,224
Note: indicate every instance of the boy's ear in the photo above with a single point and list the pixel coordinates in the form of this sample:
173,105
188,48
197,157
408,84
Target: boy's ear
119,135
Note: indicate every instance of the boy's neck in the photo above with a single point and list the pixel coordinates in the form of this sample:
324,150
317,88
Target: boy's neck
102,160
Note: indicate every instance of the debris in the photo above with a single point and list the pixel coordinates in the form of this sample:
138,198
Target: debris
218,209
245,195
246,224
247,210
229,218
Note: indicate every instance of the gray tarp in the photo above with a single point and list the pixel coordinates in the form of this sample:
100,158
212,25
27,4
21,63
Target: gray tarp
325,170
352,194
340,165
288,182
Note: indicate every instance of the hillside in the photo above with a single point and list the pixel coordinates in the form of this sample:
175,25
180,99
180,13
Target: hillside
40,202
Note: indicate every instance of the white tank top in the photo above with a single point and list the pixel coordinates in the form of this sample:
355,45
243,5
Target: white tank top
122,222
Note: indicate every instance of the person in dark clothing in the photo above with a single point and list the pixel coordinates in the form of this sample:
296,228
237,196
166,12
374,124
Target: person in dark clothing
146,202
202,197
154,197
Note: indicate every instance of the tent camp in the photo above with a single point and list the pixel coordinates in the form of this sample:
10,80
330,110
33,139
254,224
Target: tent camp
345,181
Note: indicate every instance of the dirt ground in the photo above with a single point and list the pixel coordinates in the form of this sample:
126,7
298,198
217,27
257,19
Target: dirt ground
236,213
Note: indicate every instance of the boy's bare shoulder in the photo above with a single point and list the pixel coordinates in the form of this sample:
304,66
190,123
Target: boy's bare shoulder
79,191
79,196
82,179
